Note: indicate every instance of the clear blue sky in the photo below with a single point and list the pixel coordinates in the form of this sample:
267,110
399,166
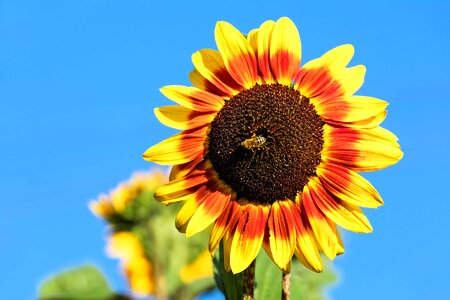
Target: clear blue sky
79,81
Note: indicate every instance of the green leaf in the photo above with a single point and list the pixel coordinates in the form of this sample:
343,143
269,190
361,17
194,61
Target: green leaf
85,282
194,289
169,251
268,278
230,284
308,285
305,284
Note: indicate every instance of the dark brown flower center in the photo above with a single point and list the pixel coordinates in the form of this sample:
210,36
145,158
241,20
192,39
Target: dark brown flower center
265,143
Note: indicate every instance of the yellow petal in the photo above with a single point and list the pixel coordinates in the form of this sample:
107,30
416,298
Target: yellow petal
263,54
252,38
178,149
306,248
352,79
326,78
124,245
360,149
281,232
139,272
248,237
181,188
173,116
335,60
351,109
212,203
310,259
200,268
193,98
348,186
102,207
237,54
183,118
210,65
323,232
185,214
227,220
345,215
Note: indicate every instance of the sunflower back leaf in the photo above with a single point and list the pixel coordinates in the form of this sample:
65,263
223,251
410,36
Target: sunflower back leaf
228,283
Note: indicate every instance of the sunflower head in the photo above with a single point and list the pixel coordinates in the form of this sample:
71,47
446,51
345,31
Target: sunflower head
269,150
115,205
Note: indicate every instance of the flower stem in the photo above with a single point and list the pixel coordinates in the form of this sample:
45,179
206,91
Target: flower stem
248,278
286,286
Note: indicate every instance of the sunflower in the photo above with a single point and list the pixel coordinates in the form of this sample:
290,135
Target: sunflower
139,239
108,206
269,151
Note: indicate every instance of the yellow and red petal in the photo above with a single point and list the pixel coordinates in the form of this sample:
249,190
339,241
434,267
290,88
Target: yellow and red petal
282,234
227,242
350,109
345,215
326,78
266,246
248,236
193,98
184,169
202,83
191,207
226,222
211,204
340,245
252,38
313,262
263,53
324,233
360,149
308,252
367,123
348,186
237,54
210,65
285,50
306,248
178,149
344,85
186,212
319,75
182,118
179,189
335,60
351,79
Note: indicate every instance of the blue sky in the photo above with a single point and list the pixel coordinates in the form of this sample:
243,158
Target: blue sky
79,81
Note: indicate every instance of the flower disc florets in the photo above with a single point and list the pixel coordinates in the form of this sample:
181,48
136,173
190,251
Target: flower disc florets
265,143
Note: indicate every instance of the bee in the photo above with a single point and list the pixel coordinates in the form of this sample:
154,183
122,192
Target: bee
256,141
